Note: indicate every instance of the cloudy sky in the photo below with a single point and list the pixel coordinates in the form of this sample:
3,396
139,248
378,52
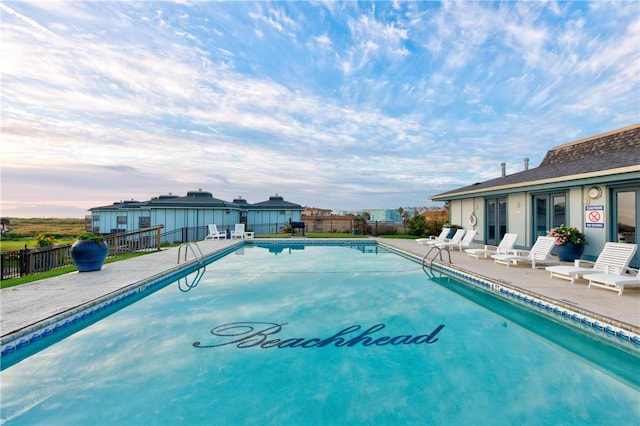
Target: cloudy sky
343,105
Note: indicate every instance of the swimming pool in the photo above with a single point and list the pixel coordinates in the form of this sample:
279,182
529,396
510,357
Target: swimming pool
295,334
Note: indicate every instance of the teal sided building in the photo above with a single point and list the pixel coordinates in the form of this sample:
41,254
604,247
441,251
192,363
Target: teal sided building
185,218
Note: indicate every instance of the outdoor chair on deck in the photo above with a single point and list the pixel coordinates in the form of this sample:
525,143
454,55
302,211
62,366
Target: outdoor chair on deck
463,243
615,282
506,244
613,259
238,232
539,255
214,233
442,238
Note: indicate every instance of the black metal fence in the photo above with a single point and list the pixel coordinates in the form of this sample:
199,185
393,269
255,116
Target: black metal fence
30,261
182,235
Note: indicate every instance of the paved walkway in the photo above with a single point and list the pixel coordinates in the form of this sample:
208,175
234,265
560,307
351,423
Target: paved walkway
27,307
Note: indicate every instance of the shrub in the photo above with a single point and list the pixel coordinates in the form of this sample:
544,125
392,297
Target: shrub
93,237
45,240
417,225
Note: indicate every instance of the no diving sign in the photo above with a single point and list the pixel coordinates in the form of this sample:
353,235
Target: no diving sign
594,216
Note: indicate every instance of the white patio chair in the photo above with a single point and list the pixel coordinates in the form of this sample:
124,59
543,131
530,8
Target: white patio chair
539,255
506,244
214,233
613,259
615,282
442,238
463,243
238,232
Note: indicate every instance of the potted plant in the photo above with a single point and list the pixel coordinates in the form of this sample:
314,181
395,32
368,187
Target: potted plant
569,242
89,252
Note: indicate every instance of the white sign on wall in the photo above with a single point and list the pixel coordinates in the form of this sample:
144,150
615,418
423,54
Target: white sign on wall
594,216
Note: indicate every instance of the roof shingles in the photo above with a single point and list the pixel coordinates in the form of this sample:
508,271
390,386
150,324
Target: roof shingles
609,151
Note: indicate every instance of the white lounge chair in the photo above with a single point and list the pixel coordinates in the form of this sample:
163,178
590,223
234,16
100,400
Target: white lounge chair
539,255
442,238
613,259
457,237
506,244
214,233
615,282
465,242
238,232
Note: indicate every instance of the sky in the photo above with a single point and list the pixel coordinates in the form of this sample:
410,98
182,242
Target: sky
336,105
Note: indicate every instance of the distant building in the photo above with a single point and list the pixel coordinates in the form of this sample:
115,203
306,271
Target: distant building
268,217
193,212
592,184
384,215
314,211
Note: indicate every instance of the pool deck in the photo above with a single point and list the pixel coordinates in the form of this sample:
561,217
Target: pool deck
601,304
27,307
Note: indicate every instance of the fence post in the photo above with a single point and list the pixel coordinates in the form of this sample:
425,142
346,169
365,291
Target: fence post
158,238
24,261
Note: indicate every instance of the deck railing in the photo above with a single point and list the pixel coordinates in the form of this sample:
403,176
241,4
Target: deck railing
19,263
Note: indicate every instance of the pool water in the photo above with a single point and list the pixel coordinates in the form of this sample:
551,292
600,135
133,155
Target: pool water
314,335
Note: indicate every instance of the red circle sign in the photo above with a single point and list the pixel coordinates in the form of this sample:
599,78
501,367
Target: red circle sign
594,216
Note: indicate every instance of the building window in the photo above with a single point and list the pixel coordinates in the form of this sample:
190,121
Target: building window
550,210
144,221
121,220
559,210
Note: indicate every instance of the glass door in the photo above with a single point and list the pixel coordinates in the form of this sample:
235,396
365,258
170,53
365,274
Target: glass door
496,215
540,216
625,221
549,211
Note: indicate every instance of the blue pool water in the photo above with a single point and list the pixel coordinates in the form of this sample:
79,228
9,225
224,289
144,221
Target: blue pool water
315,336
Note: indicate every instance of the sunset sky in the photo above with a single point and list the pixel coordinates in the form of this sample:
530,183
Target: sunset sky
337,105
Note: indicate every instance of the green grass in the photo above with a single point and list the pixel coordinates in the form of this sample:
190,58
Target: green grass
400,236
332,235
18,244
335,235
61,271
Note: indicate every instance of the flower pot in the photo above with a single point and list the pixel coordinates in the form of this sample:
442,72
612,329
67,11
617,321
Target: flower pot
88,255
569,252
